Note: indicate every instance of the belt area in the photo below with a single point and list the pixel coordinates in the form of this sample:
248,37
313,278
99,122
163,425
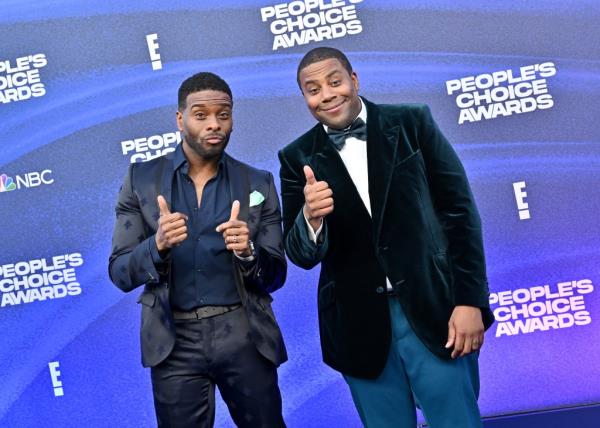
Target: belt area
204,312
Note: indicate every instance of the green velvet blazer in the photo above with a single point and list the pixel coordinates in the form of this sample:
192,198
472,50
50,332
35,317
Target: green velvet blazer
424,235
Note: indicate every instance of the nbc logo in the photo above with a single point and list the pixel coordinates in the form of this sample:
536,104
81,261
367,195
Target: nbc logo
6,183
29,179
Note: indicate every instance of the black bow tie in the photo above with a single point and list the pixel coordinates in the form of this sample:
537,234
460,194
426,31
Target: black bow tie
357,129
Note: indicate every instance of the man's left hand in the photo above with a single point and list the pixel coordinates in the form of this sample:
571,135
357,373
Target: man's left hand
465,331
236,233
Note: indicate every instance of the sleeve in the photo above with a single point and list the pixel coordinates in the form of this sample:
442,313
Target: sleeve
134,259
455,207
313,234
300,248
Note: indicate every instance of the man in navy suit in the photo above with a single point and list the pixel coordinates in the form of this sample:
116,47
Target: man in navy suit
377,195
202,232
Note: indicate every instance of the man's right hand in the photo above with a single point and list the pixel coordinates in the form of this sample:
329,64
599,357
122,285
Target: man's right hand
318,199
172,228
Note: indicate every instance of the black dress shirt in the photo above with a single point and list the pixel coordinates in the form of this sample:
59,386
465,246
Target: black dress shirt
202,269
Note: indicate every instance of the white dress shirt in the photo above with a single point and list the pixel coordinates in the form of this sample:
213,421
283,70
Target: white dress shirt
354,156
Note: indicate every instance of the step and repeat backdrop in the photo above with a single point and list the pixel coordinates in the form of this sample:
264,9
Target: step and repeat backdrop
86,87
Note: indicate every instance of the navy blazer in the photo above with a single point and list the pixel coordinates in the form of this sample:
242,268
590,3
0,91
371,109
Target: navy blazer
424,235
131,265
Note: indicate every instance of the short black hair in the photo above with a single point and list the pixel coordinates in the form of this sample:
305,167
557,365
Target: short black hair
321,54
200,82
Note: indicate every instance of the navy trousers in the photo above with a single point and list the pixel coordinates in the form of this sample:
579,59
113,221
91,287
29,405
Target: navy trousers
445,390
211,352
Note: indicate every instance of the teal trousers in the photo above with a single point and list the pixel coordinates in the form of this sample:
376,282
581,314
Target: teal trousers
446,391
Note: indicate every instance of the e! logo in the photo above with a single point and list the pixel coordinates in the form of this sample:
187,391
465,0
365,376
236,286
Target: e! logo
151,39
54,374
520,196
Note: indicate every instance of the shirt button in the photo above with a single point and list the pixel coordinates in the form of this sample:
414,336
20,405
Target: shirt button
379,290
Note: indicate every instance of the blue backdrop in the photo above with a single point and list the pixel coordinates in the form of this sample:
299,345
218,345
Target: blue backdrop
77,89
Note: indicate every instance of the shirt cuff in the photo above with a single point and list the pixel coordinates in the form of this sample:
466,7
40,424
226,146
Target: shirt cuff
161,263
311,233
247,264
250,258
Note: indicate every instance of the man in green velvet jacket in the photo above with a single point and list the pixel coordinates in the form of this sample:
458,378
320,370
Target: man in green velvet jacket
377,195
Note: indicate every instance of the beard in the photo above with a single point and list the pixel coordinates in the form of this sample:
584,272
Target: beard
206,150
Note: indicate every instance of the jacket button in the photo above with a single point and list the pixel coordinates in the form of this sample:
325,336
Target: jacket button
379,290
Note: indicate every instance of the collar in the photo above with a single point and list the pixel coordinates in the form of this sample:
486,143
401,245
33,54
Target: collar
179,156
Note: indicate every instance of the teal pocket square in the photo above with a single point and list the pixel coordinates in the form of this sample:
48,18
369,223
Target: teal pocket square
256,198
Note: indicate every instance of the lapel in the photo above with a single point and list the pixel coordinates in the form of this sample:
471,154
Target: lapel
328,166
239,189
382,150
166,177
239,185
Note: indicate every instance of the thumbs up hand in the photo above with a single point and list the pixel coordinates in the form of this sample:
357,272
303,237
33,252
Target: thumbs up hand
172,228
236,233
318,198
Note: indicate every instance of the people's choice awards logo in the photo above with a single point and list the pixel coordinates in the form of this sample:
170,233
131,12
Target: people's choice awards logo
304,21
502,93
147,148
542,307
35,280
20,79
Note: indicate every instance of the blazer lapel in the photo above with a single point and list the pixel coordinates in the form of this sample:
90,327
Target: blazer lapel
239,185
165,186
382,150
329,166
326,161
239,190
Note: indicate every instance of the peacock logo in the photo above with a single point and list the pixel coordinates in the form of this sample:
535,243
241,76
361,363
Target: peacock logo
7,183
